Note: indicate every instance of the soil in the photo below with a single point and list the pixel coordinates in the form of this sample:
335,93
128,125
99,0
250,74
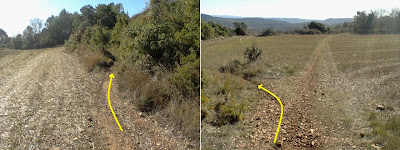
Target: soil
49,101
324,108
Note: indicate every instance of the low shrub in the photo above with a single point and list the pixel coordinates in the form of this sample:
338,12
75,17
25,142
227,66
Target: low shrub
204,102
187,75
269,32
388,132
307,32
93,60
232,67
230,113
252,53
153,96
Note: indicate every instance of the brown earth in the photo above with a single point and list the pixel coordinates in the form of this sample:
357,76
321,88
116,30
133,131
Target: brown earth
48,101
326,103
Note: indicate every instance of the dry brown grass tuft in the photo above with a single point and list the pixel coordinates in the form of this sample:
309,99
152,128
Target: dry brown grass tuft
92,61
157,96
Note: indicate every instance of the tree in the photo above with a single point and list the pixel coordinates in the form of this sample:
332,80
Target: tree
88,13
317,25
395,15
28,38
269,32
207,31
37,25
360,21
371,21
3,36
64,26
107,15
241,28
16,42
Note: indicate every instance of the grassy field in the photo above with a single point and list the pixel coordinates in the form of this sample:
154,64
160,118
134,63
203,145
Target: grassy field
338,91
6,52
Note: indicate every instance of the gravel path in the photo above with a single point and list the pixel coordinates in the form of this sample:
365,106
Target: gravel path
48,101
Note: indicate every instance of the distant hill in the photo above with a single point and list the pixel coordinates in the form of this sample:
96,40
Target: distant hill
264,23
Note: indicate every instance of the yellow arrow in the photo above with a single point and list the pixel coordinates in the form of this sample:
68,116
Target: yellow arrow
280,120
109,102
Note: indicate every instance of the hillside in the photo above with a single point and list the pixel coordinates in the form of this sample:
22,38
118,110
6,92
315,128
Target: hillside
263,23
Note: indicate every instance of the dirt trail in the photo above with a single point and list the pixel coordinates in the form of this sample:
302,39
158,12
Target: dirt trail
329,108
48,101
319,110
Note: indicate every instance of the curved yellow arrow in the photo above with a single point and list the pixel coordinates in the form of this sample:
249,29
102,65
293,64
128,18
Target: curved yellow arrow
109,102
280,120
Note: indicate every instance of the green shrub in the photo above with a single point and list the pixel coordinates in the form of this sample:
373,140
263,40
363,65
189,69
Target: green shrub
228,113
388,132
252,53
204,103
240,31
235,67
307,32
187,75
207,32
227,87
289,70
269,32
241,28
318,26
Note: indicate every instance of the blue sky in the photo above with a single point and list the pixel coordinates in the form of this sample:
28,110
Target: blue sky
306,9
15,15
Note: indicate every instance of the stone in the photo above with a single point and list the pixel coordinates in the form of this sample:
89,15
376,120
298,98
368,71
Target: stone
374,146
380,107
362,134
312,131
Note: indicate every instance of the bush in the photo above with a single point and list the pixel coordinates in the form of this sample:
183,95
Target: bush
204,102
187,75
252,53
153,96
96,59
207,32
240,31
307,32
228,113
269,32
233,67
388,132
318,26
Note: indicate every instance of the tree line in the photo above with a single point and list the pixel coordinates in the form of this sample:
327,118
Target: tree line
375,22
378,21
39,34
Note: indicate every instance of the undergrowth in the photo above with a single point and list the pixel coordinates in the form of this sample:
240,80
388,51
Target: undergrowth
387,130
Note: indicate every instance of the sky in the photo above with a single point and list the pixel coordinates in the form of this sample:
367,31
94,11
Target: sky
15,15
304,9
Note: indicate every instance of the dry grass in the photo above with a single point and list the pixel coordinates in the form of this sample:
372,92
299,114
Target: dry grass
290,50
367,70
6,52
156,96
